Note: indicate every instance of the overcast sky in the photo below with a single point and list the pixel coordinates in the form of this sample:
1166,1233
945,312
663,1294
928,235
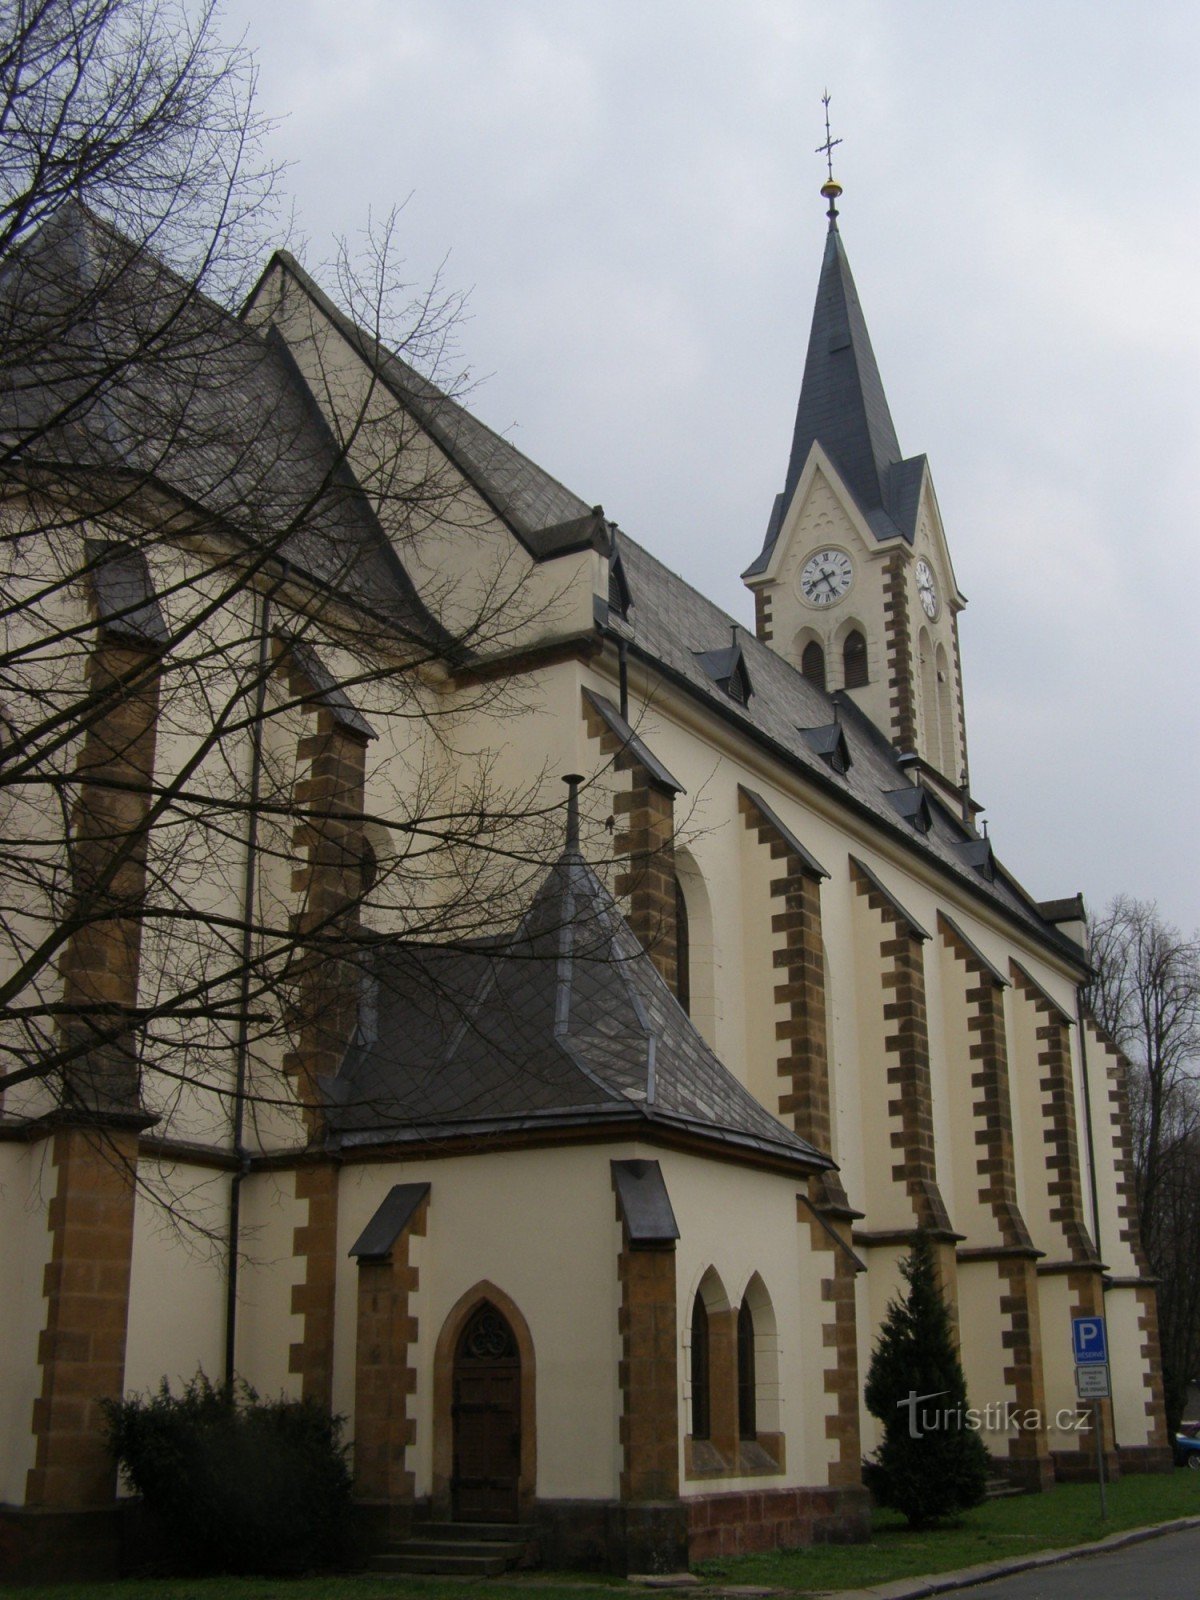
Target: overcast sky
630,195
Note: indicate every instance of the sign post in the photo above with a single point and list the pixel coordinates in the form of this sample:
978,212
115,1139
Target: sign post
1089,1342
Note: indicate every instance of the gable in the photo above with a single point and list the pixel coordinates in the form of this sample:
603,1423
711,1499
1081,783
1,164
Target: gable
822,508
470,516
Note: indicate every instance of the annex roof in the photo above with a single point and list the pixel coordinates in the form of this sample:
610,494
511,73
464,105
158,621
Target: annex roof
566,1023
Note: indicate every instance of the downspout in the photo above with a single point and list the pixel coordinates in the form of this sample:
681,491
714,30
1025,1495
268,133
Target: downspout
242,1052
623,669
1087,1119
1097,1405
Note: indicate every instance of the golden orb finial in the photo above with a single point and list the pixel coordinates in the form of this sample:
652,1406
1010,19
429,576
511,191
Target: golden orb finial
831,188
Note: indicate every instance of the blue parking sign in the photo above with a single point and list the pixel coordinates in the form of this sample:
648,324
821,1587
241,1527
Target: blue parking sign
1088,1341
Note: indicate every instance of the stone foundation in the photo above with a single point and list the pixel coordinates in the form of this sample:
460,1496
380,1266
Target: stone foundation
40,1545
1135,1459
775,1519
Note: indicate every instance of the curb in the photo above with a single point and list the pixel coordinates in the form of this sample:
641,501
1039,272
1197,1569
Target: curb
968,1577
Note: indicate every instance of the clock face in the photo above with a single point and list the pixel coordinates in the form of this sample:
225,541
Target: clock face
826,577
927,589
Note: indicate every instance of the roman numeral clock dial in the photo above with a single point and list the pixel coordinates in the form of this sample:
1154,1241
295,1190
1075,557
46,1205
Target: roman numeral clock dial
826,577
927,589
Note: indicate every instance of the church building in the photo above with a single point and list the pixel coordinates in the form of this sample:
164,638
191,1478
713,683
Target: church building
587,1221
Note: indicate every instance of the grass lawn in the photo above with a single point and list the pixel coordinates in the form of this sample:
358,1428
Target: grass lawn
362,1586
1068,1515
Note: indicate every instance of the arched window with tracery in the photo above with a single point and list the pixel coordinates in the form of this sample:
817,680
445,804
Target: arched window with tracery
854,660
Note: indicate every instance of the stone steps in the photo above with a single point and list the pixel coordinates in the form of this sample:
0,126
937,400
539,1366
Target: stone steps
457,1549
1001,1489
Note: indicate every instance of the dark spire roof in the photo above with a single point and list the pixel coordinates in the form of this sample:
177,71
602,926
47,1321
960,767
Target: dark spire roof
843,407
564,1024
842,402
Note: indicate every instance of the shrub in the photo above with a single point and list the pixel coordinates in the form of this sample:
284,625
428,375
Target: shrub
930,1464
237,1484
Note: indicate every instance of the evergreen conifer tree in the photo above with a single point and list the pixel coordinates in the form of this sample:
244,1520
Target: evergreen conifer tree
930,1464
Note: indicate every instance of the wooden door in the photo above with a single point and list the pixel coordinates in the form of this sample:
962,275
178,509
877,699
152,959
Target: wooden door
487,1420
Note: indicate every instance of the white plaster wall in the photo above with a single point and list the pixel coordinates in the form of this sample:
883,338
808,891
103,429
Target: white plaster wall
960,1183
177,1286
879,1285
754,910
27,1182
1129,1393
949,1072
1055,1303
1104,1076
540,1225
738,1221
984,1357
1025,1086
266,1324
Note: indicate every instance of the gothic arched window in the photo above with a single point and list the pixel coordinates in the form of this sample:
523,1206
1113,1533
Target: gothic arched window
746,1379
701,1424
812,663
683,951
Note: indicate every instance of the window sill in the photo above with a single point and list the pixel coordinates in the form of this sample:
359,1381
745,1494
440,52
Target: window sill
760,1457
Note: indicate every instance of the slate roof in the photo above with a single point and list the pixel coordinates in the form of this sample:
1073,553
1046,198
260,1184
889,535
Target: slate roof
564,1024
545,515
111,361
681,632
843,407
669,622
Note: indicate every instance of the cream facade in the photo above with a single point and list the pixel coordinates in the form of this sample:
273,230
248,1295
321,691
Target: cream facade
631,1189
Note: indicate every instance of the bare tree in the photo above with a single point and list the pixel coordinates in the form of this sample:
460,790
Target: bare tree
240,743
1146,996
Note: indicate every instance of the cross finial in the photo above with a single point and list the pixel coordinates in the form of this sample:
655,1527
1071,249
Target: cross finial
831,188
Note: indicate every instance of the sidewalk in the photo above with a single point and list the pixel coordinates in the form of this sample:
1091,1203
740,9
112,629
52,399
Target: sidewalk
967,1577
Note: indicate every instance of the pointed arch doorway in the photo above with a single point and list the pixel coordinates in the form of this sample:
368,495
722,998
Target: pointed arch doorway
484,1411
486,1419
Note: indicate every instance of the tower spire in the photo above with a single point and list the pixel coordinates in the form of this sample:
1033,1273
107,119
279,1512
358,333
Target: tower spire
831,188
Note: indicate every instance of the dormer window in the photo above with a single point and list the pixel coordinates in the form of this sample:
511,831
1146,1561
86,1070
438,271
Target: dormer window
737,685
829,742
728,670
913,806
619,600
978,853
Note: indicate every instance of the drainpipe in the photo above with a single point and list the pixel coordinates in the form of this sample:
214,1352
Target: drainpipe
623,667
1097,1405
1087,1118
242,1052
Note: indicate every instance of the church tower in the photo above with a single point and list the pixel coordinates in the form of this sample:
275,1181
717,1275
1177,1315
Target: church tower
854,583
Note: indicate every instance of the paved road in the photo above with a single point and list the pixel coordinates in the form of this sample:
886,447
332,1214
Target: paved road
1156,1569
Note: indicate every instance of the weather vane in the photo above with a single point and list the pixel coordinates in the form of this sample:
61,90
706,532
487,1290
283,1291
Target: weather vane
831,189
